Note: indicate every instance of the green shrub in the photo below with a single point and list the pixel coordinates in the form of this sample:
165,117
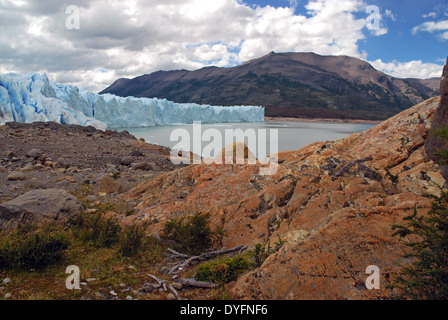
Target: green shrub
95,229
152,251
263,250
131,240
259,254
222,271
35,250
192,235
427,235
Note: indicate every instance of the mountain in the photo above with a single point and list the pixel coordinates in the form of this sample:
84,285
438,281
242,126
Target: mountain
289,84
32,97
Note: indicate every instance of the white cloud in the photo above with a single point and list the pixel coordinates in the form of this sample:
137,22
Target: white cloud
433,27
444,35
129,38
411,69
388,13
430,15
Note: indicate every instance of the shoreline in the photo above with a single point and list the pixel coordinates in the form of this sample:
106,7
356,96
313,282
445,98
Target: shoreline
323,120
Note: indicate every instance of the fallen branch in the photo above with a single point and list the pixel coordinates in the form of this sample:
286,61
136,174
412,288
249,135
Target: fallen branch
174,292
198,284
176,255
162,283
349,166
165,287
205,256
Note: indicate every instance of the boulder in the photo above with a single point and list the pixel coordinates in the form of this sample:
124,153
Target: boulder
34,153
144,166
136,153
127,161
39,206
107,185
16,176
91,198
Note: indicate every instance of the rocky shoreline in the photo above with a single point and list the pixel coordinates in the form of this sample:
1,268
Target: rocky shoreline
322,120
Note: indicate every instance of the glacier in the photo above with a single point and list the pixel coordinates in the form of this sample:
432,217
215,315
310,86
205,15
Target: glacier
33,97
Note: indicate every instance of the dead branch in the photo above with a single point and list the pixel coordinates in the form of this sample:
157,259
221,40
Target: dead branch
174,292
162,283
165,287
176,255
198,284
205,256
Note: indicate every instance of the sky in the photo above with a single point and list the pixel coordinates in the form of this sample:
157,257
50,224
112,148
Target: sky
91,43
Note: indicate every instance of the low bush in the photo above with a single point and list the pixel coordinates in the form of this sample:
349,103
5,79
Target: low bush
192,235
95,229
224,270
427,237
33,250
131,240
263,250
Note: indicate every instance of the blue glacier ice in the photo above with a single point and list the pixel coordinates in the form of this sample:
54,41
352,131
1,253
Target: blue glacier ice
33,97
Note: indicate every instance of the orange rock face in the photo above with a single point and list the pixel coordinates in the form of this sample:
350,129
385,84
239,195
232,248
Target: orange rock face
335,218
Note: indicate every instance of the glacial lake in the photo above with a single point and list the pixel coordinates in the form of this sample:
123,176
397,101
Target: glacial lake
292,135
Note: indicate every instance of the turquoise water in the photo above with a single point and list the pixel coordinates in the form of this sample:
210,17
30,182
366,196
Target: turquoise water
291,135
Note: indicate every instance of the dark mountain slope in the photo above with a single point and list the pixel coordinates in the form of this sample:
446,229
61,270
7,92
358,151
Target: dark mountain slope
289,84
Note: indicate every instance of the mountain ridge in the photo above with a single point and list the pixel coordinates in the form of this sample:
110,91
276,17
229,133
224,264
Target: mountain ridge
289,84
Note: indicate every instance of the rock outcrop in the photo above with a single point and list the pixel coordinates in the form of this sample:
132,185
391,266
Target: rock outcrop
332,202
433,144
39,206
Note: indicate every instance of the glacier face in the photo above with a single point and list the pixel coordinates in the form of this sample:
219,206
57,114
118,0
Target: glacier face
32,97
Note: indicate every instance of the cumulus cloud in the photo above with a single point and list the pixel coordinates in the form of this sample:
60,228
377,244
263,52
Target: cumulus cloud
431,26
412,69
440,28
132,37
